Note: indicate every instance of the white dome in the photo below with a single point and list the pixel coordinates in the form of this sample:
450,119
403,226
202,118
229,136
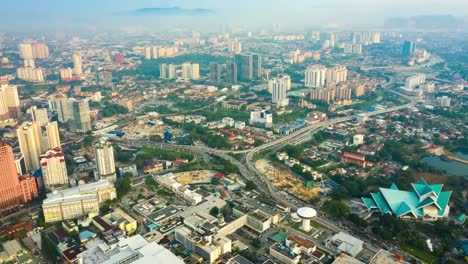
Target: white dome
295,218
306,212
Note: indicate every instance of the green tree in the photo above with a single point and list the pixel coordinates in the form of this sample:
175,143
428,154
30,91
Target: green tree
336,208
250,186
214,211
123,185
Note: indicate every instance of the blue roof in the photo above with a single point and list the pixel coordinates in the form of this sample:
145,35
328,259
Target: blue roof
85,235
393,187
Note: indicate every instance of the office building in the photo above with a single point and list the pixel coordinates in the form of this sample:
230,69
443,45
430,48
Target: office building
60,104
337,74
77,65
54,169
52,136
279,87
257,66
215,73
261,117
409,48
14,190
66,74
31,144
30,74
415,81
9,102
119,58
25,51
105,162
347,244
39,115
231,72
40,50
80,116
315,76
77,201
249,66
235,46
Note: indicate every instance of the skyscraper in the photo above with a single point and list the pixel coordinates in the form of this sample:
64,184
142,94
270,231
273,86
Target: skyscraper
231,72
257,66
31,144
52,136
30,74
54,169
66,74
9,102
215,73
77,65
105,163
195,74
279,89
80,116
315,76
409,47
235,46
186,70
119,58
13,190
39,115
245,67
60,104
148,53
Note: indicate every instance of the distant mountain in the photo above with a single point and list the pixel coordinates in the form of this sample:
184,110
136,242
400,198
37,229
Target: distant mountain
425,22
171,11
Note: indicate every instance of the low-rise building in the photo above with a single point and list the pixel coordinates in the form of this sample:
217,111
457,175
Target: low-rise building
284,254
121,219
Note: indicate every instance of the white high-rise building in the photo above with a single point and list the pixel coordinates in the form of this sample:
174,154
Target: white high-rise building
9,102
148,53
315,76
77,64
29,63
279,88
25,50
52,136
54,169
163,71
414,81
105,163
40,50
195,74
39,115
171,71
60,104
337,74
31,144
30,74
187,71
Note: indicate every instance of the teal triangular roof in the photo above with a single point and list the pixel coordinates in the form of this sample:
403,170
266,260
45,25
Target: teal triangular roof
403,209
380,202
436,188
369,202
393,187
442,201
427,202
462,218
422,181
422,189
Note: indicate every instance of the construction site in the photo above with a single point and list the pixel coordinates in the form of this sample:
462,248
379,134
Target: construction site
194,177
283,179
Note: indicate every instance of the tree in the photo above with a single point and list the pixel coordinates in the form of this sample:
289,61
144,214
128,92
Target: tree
336,208
256,243
123,185
88,141
250,185
214,211
48,249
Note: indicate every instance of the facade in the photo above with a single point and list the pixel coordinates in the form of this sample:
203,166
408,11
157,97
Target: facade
77,201
31,144
14,190
52,136
337,74
9,102
54,169
39,115
60,104
105,162
80,116
215,73
40,50
315,76
261,117
322,94
25,51
249,66
427,201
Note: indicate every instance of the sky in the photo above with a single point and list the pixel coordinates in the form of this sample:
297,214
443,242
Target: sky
37,14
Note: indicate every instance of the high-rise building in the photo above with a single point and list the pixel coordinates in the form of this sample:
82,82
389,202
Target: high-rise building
215,73
25,50
13,190
444,101
337,74
39,115
343,93
415,80
195,74
66,74
322,94
80,116
315,76
30,74
105,163
278,91
171,71
9,102
54,169
359,90
409,47
235,46
52,136
105,77
29,63
119,58
186,70
249,66
231,72
40,50
31,144
148,53
60,104
77,65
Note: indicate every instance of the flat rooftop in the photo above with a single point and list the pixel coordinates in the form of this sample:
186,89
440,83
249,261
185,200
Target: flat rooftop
384,257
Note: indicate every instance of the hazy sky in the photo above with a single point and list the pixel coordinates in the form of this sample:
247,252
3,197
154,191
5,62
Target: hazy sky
35,14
